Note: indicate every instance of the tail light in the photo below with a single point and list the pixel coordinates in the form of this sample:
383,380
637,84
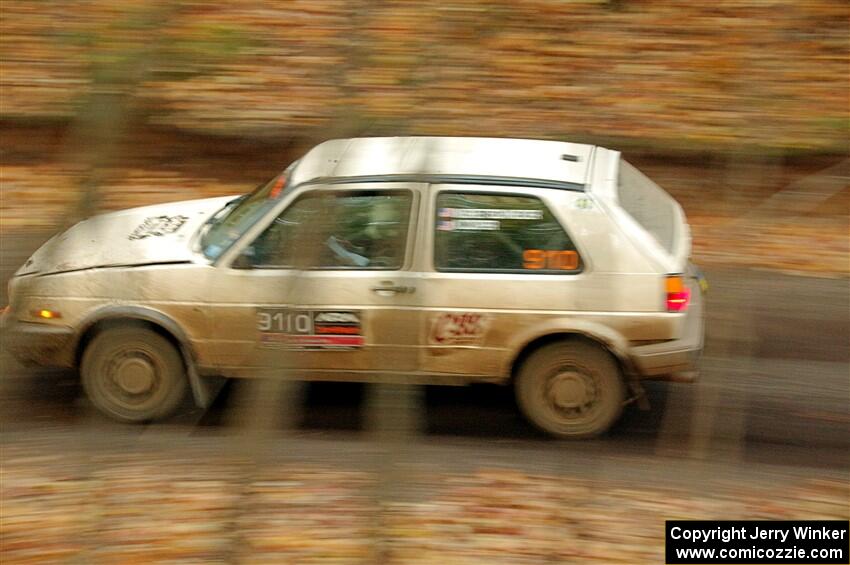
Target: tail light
678,293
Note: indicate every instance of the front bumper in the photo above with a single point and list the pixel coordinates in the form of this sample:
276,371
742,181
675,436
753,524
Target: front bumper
36,344
678,355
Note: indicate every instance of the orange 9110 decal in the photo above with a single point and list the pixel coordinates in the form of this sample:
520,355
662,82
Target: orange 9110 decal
566,260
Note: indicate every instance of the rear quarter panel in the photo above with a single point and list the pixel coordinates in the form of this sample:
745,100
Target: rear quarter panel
616,299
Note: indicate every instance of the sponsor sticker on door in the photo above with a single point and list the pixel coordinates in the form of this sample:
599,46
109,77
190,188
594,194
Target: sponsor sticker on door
458,328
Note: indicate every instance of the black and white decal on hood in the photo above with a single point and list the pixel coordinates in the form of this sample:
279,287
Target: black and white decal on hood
156,226
138,236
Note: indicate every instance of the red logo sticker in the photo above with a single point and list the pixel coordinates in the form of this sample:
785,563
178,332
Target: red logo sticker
453,328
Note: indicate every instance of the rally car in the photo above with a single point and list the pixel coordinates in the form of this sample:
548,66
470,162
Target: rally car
557,268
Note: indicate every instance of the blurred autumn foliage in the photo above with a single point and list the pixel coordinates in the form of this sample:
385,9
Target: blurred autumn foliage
106,105
159,506
763,74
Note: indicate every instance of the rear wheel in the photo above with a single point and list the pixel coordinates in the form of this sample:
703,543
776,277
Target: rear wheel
133,374
571,389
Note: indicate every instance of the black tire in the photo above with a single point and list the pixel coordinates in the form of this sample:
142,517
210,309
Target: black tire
133,374
570,389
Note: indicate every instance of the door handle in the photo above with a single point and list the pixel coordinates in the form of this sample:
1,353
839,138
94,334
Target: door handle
386,288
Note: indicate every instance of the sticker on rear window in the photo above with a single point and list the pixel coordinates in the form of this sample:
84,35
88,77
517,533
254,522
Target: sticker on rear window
489,214
469,225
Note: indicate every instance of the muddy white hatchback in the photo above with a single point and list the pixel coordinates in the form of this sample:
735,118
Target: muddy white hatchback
557,268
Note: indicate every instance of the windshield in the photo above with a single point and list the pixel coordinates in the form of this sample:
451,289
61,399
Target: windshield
228,225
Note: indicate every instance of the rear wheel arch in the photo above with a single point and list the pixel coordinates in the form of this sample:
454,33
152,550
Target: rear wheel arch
570,388
616,350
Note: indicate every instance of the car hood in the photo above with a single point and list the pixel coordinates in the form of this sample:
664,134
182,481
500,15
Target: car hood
134,237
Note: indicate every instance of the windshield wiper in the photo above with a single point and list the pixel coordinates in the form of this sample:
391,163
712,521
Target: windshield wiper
219,217
225,211
236,200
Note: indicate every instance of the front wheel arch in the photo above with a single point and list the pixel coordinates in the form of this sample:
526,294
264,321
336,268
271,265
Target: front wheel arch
133,373
155,321
139,317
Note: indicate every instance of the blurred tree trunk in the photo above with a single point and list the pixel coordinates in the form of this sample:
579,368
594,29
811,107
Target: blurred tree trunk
394,419
120,65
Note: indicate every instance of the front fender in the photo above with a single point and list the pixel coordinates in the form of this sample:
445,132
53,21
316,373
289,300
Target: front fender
141,313
200,391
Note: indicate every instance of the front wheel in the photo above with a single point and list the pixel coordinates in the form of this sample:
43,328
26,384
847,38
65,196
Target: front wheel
133,374
570,389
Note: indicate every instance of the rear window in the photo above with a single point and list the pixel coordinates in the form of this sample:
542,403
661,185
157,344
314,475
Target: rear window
648,204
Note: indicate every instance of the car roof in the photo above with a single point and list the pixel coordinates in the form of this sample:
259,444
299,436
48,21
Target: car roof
464,160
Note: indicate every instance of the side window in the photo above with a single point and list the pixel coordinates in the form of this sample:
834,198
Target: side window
500,233
337,230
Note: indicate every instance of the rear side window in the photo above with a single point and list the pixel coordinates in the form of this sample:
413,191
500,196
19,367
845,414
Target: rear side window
648,204
500,233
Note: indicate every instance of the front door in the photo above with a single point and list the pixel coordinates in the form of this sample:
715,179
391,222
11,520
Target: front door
325,291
